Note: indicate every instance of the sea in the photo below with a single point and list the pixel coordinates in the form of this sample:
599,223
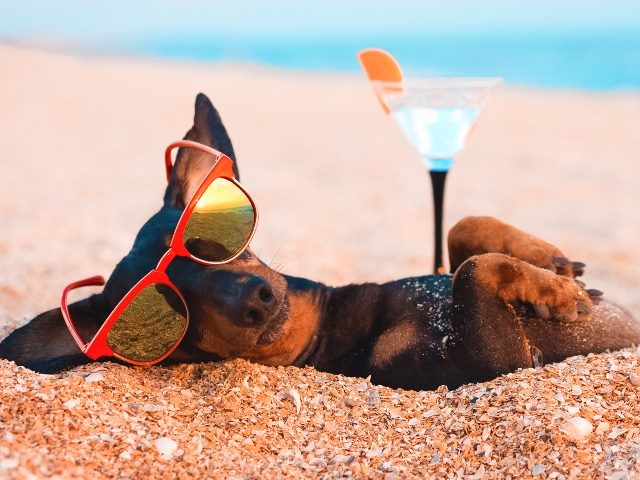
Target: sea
606,60
600,61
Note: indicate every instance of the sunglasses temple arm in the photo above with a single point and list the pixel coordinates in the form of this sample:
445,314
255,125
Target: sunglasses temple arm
92,281
168,162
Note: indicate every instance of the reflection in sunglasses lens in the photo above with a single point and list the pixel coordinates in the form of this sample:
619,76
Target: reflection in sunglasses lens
221,222
150,326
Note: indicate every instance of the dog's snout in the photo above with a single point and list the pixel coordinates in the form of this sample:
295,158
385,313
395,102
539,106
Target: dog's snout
257,303
231,298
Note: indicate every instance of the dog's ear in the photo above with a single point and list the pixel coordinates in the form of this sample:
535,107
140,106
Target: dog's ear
191,167
45,345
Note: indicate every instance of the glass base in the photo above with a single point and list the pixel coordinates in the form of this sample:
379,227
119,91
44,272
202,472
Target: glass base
437,164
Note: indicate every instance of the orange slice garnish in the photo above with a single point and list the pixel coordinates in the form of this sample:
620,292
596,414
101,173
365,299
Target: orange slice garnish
380,66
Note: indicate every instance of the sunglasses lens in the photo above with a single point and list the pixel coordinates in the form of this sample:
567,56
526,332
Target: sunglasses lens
154,321
221,222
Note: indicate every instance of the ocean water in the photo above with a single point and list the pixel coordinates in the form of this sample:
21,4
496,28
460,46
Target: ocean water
605,61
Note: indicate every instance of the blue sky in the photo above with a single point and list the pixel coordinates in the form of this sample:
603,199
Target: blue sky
119,19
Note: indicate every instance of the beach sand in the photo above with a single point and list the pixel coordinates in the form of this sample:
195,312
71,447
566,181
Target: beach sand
342,199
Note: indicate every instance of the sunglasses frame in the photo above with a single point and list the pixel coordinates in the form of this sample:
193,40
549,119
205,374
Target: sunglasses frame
98,347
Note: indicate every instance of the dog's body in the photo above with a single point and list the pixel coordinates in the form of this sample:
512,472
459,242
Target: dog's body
512,302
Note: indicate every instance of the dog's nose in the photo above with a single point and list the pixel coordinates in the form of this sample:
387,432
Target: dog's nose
256,303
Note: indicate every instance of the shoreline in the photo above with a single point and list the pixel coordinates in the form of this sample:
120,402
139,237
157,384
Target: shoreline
97,53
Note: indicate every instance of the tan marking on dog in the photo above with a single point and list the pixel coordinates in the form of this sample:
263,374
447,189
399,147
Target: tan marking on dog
298,330
393,342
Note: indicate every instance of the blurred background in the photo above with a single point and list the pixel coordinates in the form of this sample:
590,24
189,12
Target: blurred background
91,92
584,44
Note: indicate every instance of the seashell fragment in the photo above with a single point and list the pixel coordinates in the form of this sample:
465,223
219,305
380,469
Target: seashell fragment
166,447
572,410
602,427
125,455
537,469
9,463
94,377
292,395
73,403
616,432
576,428
373,397
296,399
344,459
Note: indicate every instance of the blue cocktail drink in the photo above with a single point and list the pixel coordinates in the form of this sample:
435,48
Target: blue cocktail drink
438,134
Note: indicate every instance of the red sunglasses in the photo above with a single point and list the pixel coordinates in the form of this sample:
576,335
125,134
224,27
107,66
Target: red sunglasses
152,318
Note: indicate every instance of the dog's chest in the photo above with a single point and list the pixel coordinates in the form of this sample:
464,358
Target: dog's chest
429,299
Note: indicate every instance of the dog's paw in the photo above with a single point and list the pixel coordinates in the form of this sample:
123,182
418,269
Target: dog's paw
566,300
565,267
519,283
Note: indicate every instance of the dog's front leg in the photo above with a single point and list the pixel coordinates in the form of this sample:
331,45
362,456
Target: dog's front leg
489,336
45,344
478,235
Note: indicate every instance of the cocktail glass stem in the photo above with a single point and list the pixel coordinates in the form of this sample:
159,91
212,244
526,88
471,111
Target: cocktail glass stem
437,183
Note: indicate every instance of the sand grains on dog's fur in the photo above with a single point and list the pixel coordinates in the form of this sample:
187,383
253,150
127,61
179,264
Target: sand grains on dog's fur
241,420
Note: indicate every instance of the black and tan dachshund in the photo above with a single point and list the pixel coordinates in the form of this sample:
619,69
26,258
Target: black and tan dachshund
512,302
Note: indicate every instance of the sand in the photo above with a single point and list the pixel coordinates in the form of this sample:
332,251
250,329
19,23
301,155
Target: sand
342,199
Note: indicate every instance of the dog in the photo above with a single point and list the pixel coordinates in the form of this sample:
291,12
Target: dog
512,301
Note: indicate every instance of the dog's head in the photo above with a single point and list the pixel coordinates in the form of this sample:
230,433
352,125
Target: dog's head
239,309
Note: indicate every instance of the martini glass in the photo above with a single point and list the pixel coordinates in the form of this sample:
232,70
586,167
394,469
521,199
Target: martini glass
436,115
